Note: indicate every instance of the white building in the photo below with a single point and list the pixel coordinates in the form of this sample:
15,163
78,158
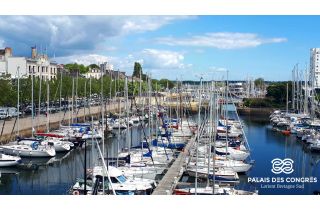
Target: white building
314,66
40,65
106,67
93,73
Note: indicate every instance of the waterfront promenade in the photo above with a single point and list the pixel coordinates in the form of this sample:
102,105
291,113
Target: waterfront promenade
9,128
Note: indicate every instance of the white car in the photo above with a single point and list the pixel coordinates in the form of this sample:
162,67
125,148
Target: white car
3,114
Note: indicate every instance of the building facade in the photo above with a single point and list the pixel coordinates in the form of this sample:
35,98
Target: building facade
94,73
314,67
37,65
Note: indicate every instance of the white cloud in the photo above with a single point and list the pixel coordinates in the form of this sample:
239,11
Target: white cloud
162,59
67,35
221,40
85,59
161,63
149,23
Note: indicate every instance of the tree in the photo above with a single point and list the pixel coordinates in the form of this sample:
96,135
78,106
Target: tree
259,83
137,70
278,92
94,66
166,83
74,67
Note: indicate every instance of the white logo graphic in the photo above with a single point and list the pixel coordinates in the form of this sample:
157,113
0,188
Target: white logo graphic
282,166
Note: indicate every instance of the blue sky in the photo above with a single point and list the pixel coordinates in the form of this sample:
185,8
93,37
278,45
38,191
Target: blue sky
182,47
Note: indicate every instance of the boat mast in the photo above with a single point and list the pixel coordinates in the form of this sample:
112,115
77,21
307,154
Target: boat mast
226,112
76,97
287,99
48,104
127,116
297,88
39,106
210,126
92,146
72,100
149,100
32,105
102,119
86,100
293,89
60,91
18,102
198,135
305,92
214,123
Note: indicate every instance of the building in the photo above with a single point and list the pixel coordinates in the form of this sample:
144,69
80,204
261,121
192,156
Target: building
39,65
106,68
236,88
94,73
4,55
314,67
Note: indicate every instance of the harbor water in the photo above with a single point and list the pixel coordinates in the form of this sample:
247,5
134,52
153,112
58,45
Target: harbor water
56,176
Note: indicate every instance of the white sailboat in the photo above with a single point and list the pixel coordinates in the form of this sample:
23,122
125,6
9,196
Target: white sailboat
121,184
29,151
8,160
233,154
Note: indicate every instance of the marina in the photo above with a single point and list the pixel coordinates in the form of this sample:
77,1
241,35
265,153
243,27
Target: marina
174,151
147,121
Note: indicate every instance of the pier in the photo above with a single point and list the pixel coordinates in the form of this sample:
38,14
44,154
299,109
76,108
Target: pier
171,178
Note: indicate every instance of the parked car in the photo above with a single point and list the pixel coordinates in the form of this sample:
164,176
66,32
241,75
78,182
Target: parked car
13,112
3,114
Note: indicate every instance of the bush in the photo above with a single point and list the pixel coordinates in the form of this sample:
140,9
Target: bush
258,102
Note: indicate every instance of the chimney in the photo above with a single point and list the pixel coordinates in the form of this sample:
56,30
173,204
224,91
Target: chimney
33,52
8,52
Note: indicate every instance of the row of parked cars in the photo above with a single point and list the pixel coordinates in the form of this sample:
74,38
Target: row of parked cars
9,112
54,107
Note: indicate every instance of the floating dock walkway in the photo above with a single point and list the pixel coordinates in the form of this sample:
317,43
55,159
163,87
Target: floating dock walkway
174,173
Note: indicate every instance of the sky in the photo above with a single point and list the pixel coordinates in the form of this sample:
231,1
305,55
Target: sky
173,47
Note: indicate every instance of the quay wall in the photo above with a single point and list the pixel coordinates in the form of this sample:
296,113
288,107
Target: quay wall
10,127
261,112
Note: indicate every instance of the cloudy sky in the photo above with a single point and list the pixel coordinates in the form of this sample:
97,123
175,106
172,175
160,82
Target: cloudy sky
174,47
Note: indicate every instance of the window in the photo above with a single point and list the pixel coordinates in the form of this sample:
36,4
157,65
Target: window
122,178
114,180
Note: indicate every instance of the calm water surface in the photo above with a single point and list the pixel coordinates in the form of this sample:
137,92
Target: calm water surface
58,174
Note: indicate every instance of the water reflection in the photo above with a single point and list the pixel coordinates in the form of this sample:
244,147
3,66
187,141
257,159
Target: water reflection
267,144
56,175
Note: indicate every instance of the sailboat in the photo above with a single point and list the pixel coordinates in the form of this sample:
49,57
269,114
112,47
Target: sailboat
121,184
59,146
33,150
218,190
8,160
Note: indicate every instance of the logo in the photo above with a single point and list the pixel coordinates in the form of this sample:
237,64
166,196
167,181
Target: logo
282,166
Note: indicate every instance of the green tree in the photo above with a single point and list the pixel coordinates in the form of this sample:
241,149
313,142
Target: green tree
137,70
74,67
94,66
166,83
259,83
278,92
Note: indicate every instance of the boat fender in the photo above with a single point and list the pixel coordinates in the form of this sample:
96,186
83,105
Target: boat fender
76,192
